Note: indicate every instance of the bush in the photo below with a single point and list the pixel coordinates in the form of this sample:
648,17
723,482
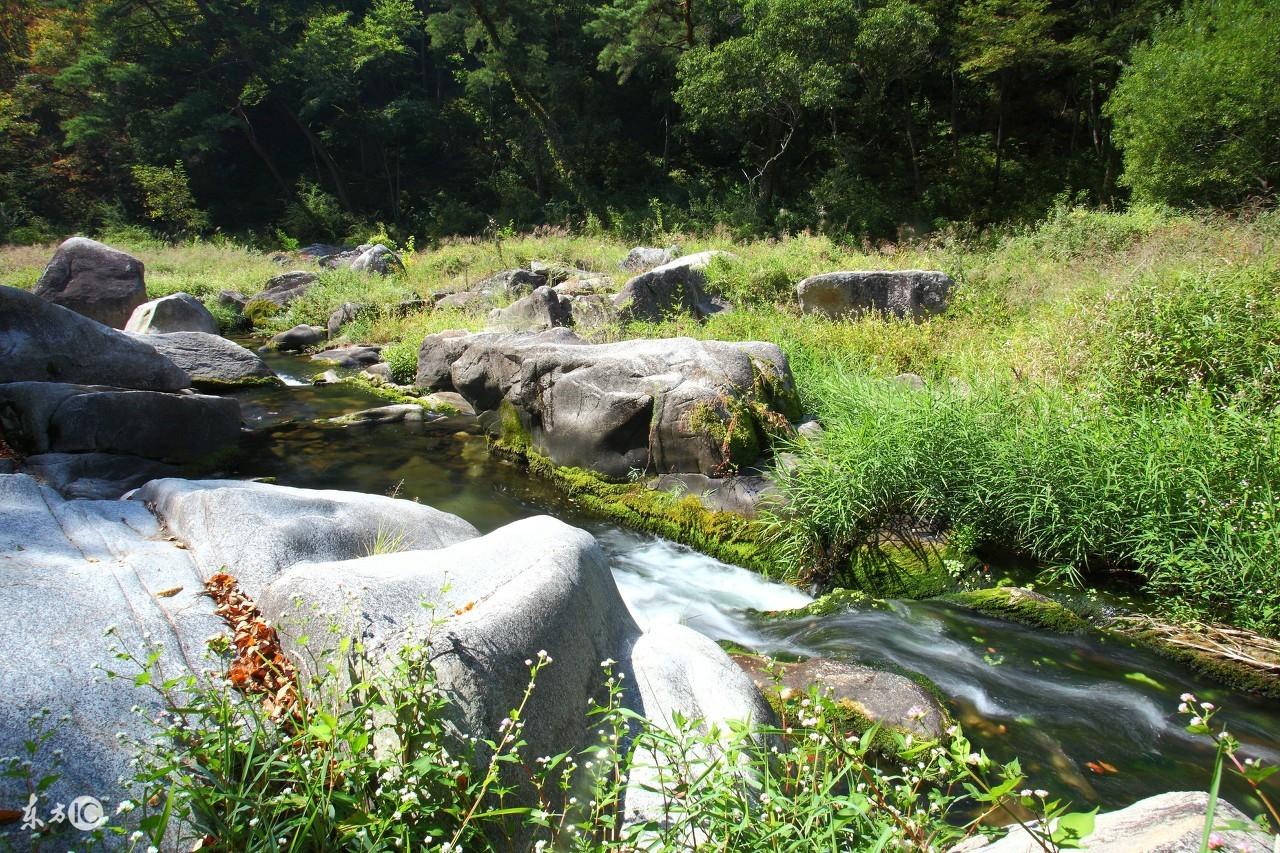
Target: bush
402,358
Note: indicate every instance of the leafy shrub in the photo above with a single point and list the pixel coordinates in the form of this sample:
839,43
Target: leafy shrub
259,311
402,358
166,195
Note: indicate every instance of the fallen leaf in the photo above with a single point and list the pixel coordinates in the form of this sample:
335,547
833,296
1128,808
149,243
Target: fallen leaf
1101,767
169,593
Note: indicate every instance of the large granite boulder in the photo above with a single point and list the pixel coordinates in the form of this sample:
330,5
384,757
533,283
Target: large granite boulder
95,280
676,287
212,360
52,417
68,571
286,287
177,312
96,476
1165,823
44,342
896,293
662,406
259,529
541,310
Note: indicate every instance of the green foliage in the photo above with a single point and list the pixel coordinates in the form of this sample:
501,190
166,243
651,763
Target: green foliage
260,311
402,357
373,759
1196,110
166,194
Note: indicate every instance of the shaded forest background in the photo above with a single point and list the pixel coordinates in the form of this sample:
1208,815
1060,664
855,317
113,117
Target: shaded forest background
304,120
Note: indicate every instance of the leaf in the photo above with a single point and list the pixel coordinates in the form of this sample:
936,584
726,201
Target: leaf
1143,678
169,593
1102,768
1072,828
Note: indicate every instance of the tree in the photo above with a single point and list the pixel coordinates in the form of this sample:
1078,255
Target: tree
1197,112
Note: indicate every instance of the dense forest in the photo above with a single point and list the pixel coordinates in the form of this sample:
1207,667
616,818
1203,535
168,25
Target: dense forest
312,121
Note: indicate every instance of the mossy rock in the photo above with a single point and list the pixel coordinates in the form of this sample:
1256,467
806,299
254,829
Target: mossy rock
897,571
1021,605
839,600
258,311
1236,674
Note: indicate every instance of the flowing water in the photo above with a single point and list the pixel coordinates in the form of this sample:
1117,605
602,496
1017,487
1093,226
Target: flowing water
1055,701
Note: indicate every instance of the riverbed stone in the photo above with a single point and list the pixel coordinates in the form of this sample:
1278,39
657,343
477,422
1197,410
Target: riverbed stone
741,495
298,338
177,312
353,355
541,310
393,414
662,406
53,417
342,315
1166,823
676,287
94,280
896,293
882,698
212,360
259,529
44,342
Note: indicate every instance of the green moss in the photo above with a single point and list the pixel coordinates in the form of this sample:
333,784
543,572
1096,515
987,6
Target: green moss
837,601
725,536
1233,673
218,386
259,311
1017,604
731,424
897,571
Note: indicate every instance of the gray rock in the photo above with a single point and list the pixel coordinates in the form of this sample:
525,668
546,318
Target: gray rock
354,355
467,300
886,698
586,285
50,417
344,258
897,293
68,571
320,251
262,529
590,311
541,310
511,283
448,400
809,428
95,476
412,305
177,312
643,258
286,287
380,372
676,287
95,280
342,315
211,359
299,338
1165,823
233,299
661,406
378,259
43,342
329,377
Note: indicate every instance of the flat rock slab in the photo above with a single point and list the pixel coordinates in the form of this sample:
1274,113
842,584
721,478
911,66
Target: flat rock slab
1165,823
50,417
211,359
94,280
896,293
44,342
177,312
95,476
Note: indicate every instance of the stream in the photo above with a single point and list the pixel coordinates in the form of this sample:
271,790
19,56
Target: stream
1054,701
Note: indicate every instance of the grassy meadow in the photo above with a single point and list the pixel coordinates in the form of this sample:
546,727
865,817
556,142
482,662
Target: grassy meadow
1100,398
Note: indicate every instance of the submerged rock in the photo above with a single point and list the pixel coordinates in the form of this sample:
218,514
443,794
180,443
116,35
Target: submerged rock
897,293
94,280
393,414
177,312
869,696
662,406
1165,823
44,342
210,359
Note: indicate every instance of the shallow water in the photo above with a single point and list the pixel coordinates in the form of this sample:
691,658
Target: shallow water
1054,701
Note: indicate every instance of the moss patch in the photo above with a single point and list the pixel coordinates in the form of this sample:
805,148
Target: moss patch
1017,604
897,571
1234,673
259,311
837,601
